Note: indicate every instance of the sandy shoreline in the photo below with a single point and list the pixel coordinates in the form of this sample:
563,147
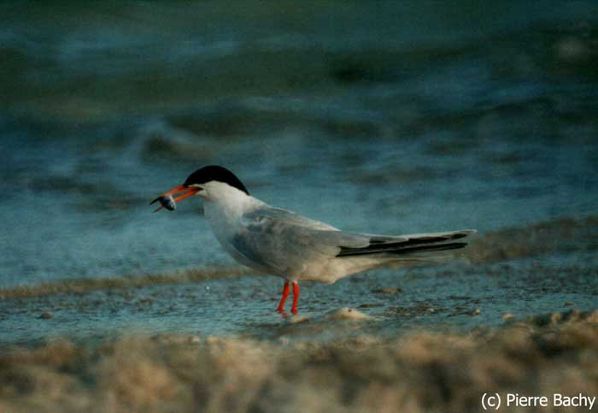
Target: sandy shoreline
421,371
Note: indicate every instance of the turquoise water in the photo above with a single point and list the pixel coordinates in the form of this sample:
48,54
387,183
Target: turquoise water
385,117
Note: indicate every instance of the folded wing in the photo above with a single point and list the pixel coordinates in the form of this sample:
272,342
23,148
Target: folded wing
282,241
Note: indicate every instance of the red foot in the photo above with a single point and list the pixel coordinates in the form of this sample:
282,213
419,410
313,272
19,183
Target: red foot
283,298
285,294
295,297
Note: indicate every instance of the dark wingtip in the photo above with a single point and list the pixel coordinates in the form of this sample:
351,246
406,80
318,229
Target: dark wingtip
155,200
398,249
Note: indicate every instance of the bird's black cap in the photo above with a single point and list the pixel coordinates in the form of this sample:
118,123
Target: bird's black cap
215,173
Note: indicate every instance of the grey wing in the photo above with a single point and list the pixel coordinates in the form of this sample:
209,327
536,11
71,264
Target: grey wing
281,241
283,216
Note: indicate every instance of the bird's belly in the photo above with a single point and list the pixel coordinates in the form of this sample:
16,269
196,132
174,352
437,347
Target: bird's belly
332,269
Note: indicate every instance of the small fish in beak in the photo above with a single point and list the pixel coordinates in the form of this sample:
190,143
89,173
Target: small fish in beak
167,202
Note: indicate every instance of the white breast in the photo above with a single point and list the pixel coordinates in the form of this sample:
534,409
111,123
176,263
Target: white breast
223,208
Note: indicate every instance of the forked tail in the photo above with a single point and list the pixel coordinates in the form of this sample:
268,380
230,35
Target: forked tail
410,244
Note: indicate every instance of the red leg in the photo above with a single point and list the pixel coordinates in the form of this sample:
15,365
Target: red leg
295,297
283,298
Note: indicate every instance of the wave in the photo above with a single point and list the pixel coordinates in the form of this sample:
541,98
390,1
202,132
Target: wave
84,285
559,235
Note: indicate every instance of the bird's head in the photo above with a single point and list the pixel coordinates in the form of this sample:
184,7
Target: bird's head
210,182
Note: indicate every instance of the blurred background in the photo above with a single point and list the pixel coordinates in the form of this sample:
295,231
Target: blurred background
386,116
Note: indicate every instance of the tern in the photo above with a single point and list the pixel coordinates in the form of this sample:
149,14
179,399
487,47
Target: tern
280,242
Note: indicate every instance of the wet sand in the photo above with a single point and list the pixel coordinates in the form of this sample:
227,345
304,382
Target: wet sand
421,371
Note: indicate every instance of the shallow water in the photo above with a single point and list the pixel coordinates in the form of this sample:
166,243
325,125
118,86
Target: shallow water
395,117
544,277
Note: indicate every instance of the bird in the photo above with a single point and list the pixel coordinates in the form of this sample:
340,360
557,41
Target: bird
283,243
